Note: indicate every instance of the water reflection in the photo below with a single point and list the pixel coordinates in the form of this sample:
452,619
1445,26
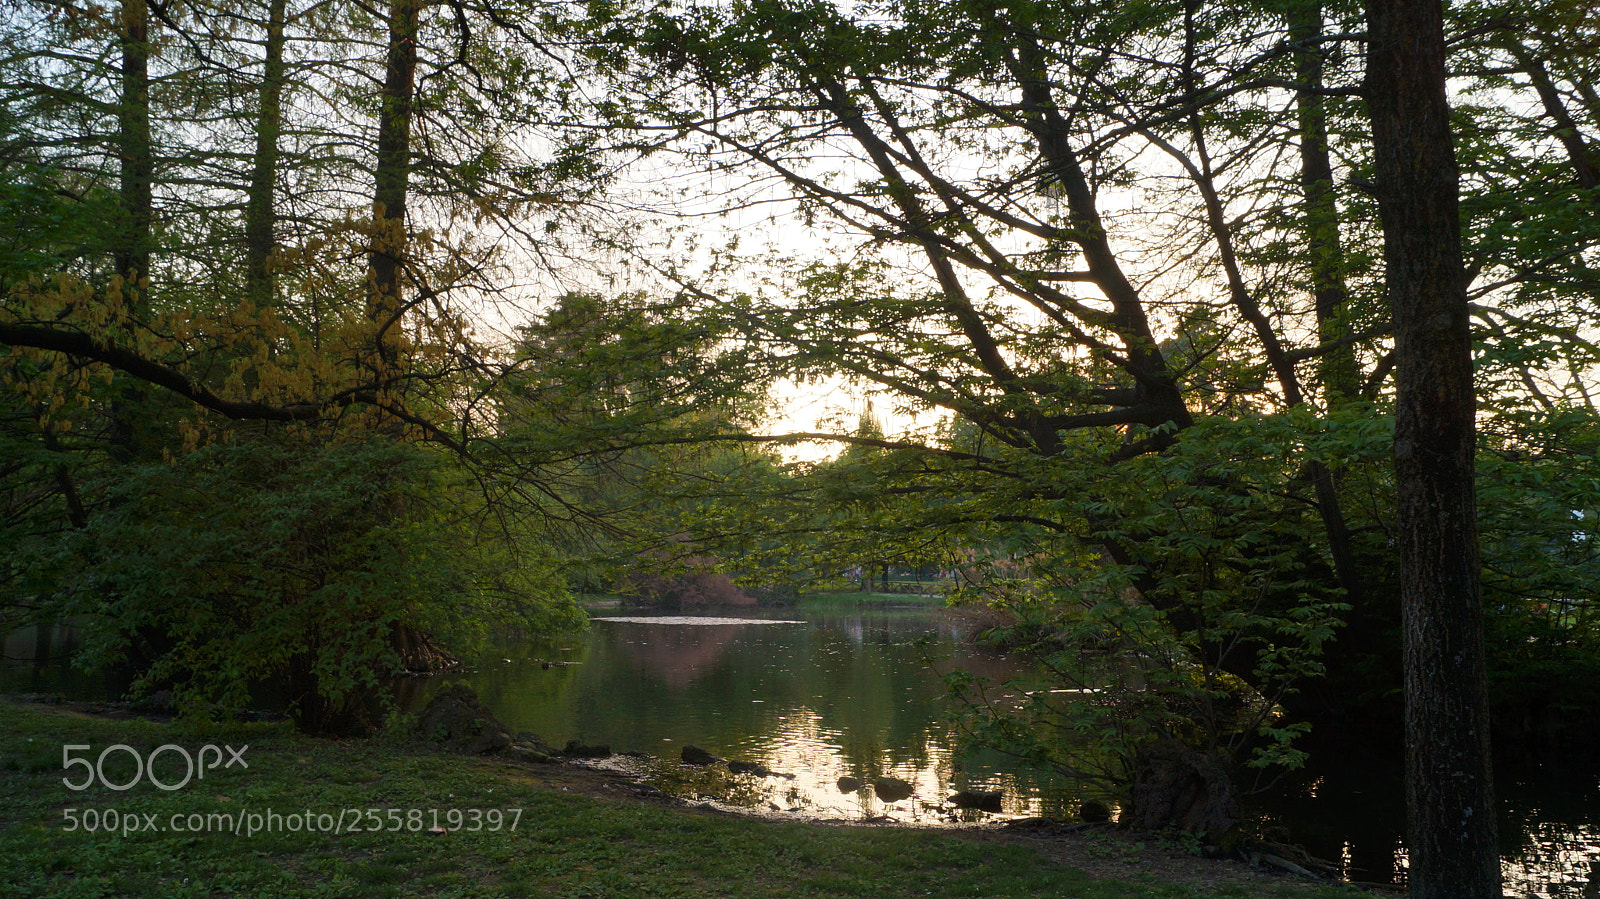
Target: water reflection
1349,806
850,693
847,693
1550,833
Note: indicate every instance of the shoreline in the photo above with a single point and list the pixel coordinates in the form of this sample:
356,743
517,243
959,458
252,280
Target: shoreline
574,823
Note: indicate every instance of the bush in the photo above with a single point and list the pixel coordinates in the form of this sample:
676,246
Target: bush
299,566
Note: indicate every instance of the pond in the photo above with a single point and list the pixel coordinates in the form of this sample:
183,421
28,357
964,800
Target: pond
818,694
829,689
843,689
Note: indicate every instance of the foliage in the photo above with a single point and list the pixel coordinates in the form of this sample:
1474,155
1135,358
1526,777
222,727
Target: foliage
1132,254
259,562
1129,254
681,583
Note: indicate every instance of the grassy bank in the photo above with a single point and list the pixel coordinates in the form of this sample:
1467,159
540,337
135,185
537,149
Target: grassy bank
562,843
872,599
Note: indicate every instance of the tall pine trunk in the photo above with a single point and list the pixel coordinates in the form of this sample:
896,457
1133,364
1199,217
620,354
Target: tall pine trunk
1449,791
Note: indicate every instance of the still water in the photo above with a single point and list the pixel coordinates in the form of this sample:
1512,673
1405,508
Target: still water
840,690
847,690
818,694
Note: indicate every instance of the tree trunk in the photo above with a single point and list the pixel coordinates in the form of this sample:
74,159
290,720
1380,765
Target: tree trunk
1177,785
131,249
1449,791
131,253
392,174
1338,372
1337,368
260,216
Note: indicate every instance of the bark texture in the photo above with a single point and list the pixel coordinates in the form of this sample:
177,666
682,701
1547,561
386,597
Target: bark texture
392,173
261,208
1450,802
131,252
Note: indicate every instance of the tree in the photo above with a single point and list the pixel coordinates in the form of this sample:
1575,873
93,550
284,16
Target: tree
1449,779
1120,244
234,276
969,156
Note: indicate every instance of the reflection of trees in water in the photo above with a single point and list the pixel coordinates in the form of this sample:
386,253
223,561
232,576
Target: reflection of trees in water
521,692
1349,805
729,688
676,654
850,694
1346,807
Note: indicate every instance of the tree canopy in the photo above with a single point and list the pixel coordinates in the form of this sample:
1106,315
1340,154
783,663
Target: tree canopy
519,284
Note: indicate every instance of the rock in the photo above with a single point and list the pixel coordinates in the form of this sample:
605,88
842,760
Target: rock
1094,811
759,770
892,789
848,784
42,698
1030,824
576,750
531,752
982,800
160,702
694,755
528,747
456,721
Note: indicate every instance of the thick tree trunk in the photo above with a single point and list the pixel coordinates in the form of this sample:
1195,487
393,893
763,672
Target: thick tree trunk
1178,786
1451,811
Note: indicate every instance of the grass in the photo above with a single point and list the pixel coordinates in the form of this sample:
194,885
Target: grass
563,844
872,599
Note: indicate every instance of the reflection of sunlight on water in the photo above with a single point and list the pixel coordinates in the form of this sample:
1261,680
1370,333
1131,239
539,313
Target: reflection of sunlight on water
850,695
1348,806
1554,861
815,757
1550,860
